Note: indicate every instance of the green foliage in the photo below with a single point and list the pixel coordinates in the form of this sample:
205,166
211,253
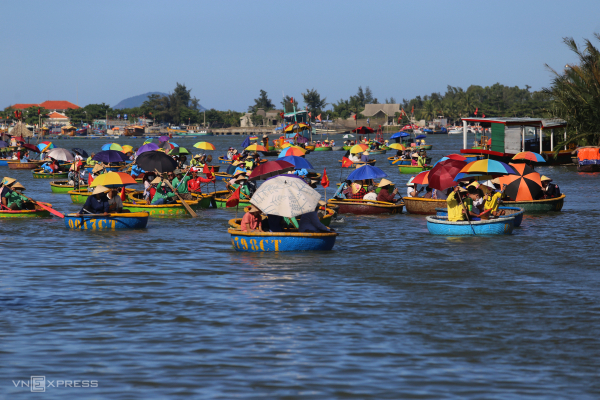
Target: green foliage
30,115
262,102
314,102
287,104
575,94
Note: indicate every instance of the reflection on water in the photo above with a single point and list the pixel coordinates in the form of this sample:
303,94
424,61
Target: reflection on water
391,312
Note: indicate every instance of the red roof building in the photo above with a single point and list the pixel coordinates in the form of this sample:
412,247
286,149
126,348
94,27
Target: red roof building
52,105
55,115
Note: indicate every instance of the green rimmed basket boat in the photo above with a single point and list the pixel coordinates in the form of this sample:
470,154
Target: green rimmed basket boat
35,212
163,210
220,198
324,148
204,200
64,187
39,174
409,169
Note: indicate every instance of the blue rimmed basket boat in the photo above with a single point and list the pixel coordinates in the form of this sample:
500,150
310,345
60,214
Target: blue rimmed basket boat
98,222
516,212
262,242
398,161
441,226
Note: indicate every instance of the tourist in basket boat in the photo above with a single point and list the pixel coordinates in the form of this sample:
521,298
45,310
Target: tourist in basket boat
310,223
97,203
549,190
163,194
180,183
456,210
251,221
11,198
384,192
115,203
357,191
412,191
371,195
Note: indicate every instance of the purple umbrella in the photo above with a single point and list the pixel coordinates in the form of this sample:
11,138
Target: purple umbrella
163,139
147,147
109,156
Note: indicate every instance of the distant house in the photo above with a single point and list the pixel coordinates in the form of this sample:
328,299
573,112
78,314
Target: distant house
56,118
269,117
382,114
51,105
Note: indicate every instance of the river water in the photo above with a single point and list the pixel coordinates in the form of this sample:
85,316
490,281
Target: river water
173,311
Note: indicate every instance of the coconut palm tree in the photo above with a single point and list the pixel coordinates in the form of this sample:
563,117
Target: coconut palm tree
575,94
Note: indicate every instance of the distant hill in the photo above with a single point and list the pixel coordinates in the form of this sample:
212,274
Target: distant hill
137,101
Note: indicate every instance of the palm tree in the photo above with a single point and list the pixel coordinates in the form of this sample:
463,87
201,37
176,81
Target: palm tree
428,110
575,94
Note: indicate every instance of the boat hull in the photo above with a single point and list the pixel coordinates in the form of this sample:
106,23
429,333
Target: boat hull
421,206
588,168
262,242
511,212
64,187
399,161
38,212
43,175
322,148
162,210
4,162
425,147
360,163
110,222
203,200
375,152
409,169
441,226
366,207
24,165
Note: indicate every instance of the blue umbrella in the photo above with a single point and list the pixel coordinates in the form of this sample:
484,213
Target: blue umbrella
298,162
399,135
246,142
366,172
422,136
147,147
109,156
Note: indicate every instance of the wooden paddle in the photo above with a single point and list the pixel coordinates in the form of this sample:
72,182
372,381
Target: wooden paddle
52,210
186,205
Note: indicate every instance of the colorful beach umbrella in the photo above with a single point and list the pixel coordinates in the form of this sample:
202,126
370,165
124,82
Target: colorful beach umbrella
397,146
112,146
109,156
256,147
358,148
292,151
488,167
366,172
529,156
443,175
298,162
205,146
299,127
524,185
178,151
127,148
422,178
348,136
30,147
113,180
146,147
286,196
45,146
167,146
271,168
155,141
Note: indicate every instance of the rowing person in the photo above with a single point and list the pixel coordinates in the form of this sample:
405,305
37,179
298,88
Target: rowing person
384,192
195,183
97,203
180,183
456,209
163,194
11,198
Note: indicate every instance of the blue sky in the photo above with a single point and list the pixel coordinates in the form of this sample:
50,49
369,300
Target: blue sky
226,51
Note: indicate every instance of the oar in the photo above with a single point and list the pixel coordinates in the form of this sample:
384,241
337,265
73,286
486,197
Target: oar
52,210
186,205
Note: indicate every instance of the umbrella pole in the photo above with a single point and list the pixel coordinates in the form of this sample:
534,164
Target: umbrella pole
467,213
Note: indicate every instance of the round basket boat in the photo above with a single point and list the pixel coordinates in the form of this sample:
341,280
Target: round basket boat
220,198
360,163
421,206
24,165
409,169
516,212
309,148
224,160
325,220
377,188
323,148
366,207
99,222
40,174
380,151
4,162
35,212
347,147
259,242
398,161
222,176
204,200
163,210
64,187
441,226
425,147
538,206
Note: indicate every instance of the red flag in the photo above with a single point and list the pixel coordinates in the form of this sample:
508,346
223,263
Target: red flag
325,179
477,109
355,117
123,196
346,162
413,109
319,117
281,114
205,169
16,114
483,115
309,115
39,111
212,173
292,100
90,179
234,199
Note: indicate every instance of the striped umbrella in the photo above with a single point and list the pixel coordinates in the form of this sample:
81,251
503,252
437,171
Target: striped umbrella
529,156
292,151
205,146
112,146
524,185
487,167
45,146
422,178
358,148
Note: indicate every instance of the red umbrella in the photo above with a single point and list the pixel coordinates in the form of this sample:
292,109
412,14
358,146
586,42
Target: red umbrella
30,147
441,177
271,168
19,139
422,178
456,157
524,186
363,130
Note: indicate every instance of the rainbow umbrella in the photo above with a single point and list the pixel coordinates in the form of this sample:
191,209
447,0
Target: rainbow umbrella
422,178
358,148
205,146
292,151
397,146
529,156
525,185
299,127
256,147
112,146
487,167
151,141
113,180
45,146
127,148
